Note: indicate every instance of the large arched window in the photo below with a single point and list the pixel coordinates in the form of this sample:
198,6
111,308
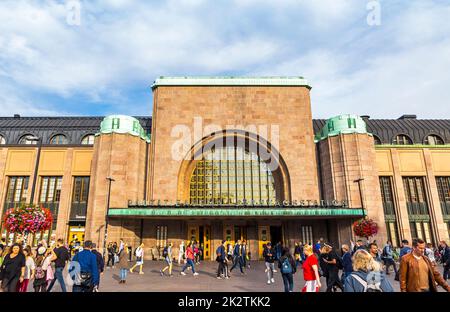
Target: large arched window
434,139
58,139
2,140
28,139
88,139
402,139
231,175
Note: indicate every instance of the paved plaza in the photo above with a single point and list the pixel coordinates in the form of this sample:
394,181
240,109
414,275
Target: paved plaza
253,281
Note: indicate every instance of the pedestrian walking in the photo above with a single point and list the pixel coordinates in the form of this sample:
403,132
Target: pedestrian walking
311,271
298,252
123,264
347,265
189,260
287,267
181,251
88,276
445,259
221,259
12,271
100,264
62,258
367,275
269,259
139,253
167,254
429,252
40,275
332,260
237,257
388,257
244,254
30,268
417,274
111,253
50,256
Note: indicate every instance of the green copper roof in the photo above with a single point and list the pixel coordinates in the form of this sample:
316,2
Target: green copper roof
342,124
123,124
230,81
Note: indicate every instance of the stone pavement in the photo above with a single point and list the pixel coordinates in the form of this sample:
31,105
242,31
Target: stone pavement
254,280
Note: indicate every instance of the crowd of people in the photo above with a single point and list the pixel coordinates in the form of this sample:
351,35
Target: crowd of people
360,267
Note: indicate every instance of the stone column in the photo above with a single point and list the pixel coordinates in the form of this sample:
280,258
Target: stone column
439,227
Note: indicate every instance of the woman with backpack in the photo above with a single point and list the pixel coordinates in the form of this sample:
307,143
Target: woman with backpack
12,270
40,275
287,267
167,254
367,275
29,269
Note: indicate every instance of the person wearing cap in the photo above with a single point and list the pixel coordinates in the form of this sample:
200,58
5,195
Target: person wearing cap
222,260
40,274
269,260
88,267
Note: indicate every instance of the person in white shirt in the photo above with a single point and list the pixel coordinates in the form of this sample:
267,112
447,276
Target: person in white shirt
181,251
30,267
429,252
139,259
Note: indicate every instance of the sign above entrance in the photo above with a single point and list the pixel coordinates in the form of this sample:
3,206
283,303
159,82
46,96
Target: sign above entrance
257,204
244,212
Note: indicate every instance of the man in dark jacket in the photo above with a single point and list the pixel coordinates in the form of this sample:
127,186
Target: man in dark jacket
445,259
86,262
347,265
269,259
237,256
100,262
222,260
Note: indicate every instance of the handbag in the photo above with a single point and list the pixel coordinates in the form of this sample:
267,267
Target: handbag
86,279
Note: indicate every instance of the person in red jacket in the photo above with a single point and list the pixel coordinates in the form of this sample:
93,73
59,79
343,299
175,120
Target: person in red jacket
189,260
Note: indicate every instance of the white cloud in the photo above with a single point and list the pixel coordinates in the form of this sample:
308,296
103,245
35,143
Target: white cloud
124,44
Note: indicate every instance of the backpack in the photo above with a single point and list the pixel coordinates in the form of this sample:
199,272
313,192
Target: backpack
371,286
165,252
286,266
39,273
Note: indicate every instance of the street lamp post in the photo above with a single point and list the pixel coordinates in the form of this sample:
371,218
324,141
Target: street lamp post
33,186
360,195
106,215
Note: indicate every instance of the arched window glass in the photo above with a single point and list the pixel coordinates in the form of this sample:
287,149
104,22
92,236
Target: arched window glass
2,140
402,139
28,139
58,139
433,139
88,139
231,175
376,140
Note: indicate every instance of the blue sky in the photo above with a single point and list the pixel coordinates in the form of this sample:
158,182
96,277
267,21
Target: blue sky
107,63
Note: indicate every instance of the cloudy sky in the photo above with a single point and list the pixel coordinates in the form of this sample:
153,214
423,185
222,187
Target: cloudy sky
51,66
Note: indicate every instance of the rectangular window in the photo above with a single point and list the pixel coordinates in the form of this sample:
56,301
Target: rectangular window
115,123
50,194
443,186
415,196
136,126
351,122
80,194
17,191
307,234
161,236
